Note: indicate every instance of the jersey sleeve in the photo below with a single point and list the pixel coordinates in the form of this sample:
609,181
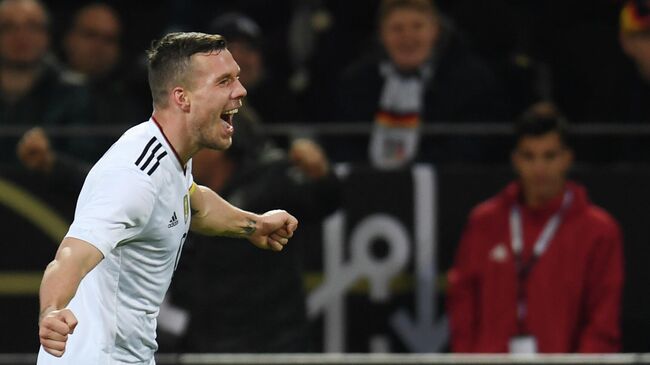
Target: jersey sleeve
113,208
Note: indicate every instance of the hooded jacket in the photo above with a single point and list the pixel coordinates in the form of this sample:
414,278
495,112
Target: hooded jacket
573,290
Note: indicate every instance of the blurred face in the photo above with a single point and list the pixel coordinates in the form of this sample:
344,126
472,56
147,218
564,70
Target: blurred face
637,47
542,163
409,36
250,61
92,46
215,96
24,37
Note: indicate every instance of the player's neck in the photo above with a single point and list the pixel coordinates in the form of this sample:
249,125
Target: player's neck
176,135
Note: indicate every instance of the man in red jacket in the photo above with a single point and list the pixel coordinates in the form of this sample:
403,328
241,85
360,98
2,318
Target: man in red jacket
539,267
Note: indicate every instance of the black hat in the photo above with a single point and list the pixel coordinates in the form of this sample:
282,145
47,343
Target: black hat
237,27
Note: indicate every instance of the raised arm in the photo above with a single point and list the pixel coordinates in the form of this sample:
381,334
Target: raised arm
73,260
212,215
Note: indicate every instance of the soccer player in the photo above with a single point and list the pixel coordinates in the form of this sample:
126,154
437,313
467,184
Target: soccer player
112,269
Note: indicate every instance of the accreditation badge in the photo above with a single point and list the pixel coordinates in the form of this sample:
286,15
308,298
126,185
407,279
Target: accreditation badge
523,345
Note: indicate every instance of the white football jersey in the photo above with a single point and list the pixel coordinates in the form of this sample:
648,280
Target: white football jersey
134,207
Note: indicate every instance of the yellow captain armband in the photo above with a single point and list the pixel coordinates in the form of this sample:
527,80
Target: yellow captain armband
192,188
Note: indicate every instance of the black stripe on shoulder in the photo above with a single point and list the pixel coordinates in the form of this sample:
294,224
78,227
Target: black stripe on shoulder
145,150
155,166
151,155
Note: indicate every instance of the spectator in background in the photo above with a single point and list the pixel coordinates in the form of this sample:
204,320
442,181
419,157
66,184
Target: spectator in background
539,267
623,101
228,318
635,42
93,56
92,43
32,89
425,73
269,98
93,53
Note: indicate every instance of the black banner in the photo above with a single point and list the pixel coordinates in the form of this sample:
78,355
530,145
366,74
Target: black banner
377,283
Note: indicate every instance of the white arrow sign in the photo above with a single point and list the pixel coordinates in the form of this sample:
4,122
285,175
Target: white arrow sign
423,334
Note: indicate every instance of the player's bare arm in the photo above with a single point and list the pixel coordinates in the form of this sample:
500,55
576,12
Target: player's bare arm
73,260
212,215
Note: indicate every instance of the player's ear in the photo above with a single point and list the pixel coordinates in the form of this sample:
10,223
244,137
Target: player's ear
181,99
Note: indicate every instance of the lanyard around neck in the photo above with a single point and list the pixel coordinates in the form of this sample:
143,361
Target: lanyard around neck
544,239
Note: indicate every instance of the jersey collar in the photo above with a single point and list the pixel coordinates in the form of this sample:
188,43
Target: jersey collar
171,147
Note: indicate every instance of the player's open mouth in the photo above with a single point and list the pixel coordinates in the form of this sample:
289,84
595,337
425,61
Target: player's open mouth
227,115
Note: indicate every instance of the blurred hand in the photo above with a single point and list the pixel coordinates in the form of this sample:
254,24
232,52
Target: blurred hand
309,157
34,151
53,330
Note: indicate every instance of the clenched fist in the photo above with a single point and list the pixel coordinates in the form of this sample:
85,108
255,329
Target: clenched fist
276,227
54,329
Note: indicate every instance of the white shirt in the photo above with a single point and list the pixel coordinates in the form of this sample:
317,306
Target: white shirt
134,207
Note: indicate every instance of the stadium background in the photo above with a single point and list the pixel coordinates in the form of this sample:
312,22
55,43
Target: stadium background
566,35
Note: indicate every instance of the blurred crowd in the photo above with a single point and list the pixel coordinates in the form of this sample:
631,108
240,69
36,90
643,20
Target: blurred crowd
396,67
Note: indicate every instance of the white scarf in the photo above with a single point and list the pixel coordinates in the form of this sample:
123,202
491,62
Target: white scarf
393,145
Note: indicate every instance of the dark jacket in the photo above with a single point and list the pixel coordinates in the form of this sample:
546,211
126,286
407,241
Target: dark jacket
53,101
462,89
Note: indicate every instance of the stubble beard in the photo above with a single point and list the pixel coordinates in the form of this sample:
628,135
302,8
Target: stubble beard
215,143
